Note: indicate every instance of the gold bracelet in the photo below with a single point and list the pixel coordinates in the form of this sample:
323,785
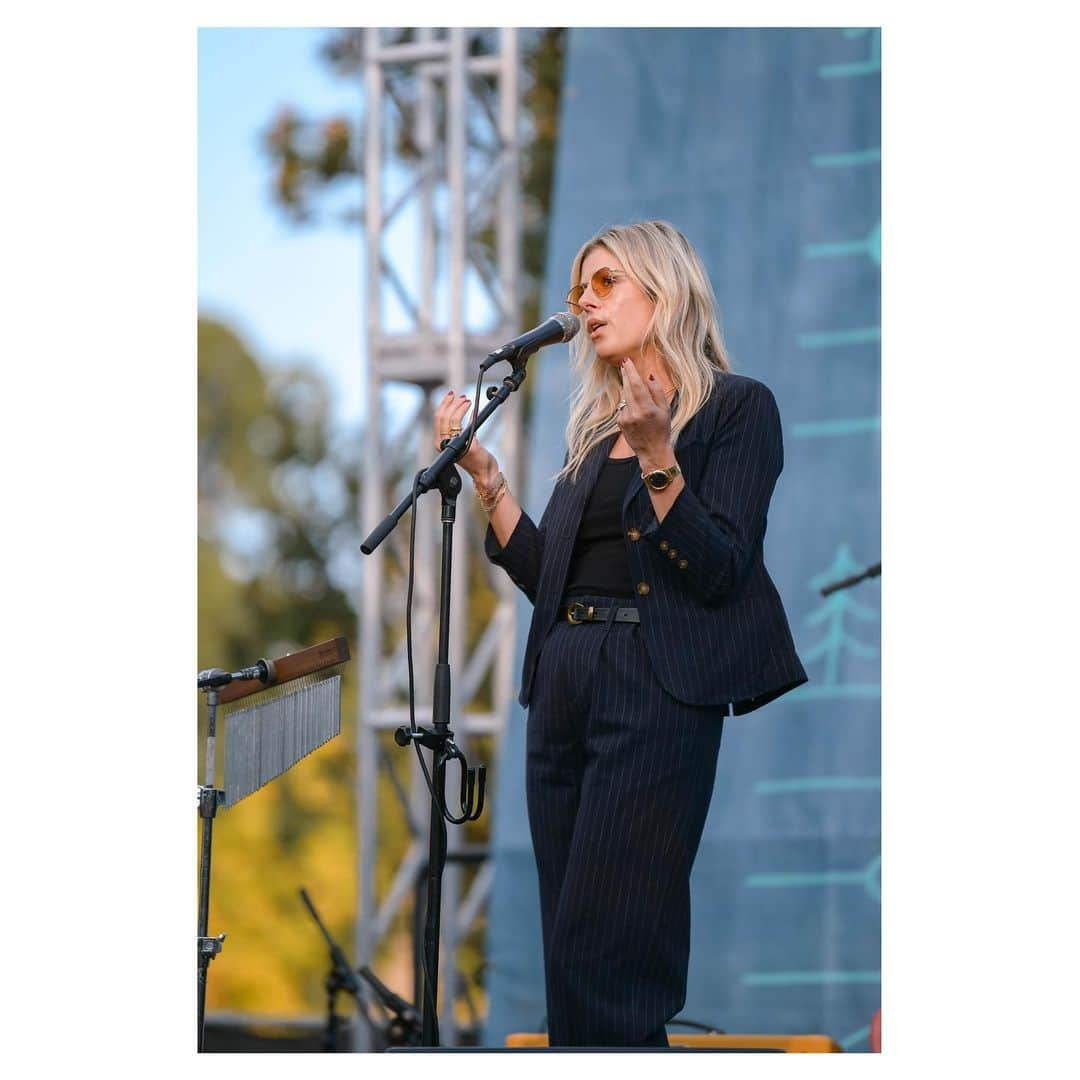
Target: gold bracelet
491,500
486,493
489,497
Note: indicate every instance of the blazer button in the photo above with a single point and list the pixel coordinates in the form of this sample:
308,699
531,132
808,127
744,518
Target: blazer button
673,554
633,534
683,564
643,588
663,545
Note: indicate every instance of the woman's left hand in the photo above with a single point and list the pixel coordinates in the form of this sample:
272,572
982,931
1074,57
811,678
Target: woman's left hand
645,420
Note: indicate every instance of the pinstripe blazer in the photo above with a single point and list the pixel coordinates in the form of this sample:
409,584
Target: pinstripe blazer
712,621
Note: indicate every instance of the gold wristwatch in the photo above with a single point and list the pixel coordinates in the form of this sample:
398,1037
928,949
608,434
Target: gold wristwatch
660,478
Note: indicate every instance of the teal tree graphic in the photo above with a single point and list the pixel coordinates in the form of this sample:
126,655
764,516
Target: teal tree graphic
871,65
836,619
870,246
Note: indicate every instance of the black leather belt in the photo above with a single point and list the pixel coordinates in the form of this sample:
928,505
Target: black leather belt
579,613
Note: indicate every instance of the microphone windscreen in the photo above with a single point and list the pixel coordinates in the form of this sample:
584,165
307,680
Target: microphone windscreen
570,323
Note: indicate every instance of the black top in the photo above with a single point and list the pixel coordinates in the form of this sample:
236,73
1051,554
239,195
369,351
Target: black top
599,565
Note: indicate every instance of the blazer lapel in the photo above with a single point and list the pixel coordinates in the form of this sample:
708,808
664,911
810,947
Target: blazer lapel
636,485
577,494
566,507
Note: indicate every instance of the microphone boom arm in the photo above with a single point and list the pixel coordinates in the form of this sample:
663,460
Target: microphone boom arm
429,478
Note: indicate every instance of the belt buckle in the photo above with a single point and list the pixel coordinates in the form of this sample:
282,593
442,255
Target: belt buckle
577,613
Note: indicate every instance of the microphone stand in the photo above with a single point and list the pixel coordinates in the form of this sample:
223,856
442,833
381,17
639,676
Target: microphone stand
403,1029
210,682
846,583
210,798
441,473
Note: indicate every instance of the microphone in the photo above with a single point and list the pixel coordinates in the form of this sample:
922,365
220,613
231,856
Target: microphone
561,326
387,996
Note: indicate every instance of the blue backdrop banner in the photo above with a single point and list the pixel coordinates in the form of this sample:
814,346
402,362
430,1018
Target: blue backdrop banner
763,146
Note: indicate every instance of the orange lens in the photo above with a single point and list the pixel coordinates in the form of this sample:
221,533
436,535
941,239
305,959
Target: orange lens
602,283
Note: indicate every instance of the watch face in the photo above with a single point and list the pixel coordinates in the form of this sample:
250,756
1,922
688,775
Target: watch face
659,479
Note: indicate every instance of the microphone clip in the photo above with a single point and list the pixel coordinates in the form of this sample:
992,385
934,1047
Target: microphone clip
505,352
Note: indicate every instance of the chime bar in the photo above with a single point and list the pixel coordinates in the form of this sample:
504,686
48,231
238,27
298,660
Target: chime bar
291,666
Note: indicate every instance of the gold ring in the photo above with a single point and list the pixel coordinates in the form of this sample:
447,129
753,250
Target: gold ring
455,431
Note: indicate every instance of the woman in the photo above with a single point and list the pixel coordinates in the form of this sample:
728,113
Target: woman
654,618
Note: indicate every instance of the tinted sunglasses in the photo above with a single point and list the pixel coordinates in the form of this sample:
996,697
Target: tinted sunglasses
602,282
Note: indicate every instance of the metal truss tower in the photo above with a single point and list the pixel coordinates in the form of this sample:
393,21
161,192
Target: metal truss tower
453,204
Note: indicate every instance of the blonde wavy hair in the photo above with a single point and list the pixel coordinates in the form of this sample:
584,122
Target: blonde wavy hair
684,331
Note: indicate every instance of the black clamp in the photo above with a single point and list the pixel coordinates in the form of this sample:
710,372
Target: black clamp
210,946
209,801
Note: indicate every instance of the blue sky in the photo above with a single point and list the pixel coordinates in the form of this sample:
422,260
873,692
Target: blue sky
292,293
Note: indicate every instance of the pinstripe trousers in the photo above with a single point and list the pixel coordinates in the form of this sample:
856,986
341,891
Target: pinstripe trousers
619,776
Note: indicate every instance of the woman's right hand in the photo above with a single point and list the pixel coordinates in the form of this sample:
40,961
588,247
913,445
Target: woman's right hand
453,412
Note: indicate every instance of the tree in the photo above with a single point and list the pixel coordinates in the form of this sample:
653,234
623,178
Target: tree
276,508
311,157
278,560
